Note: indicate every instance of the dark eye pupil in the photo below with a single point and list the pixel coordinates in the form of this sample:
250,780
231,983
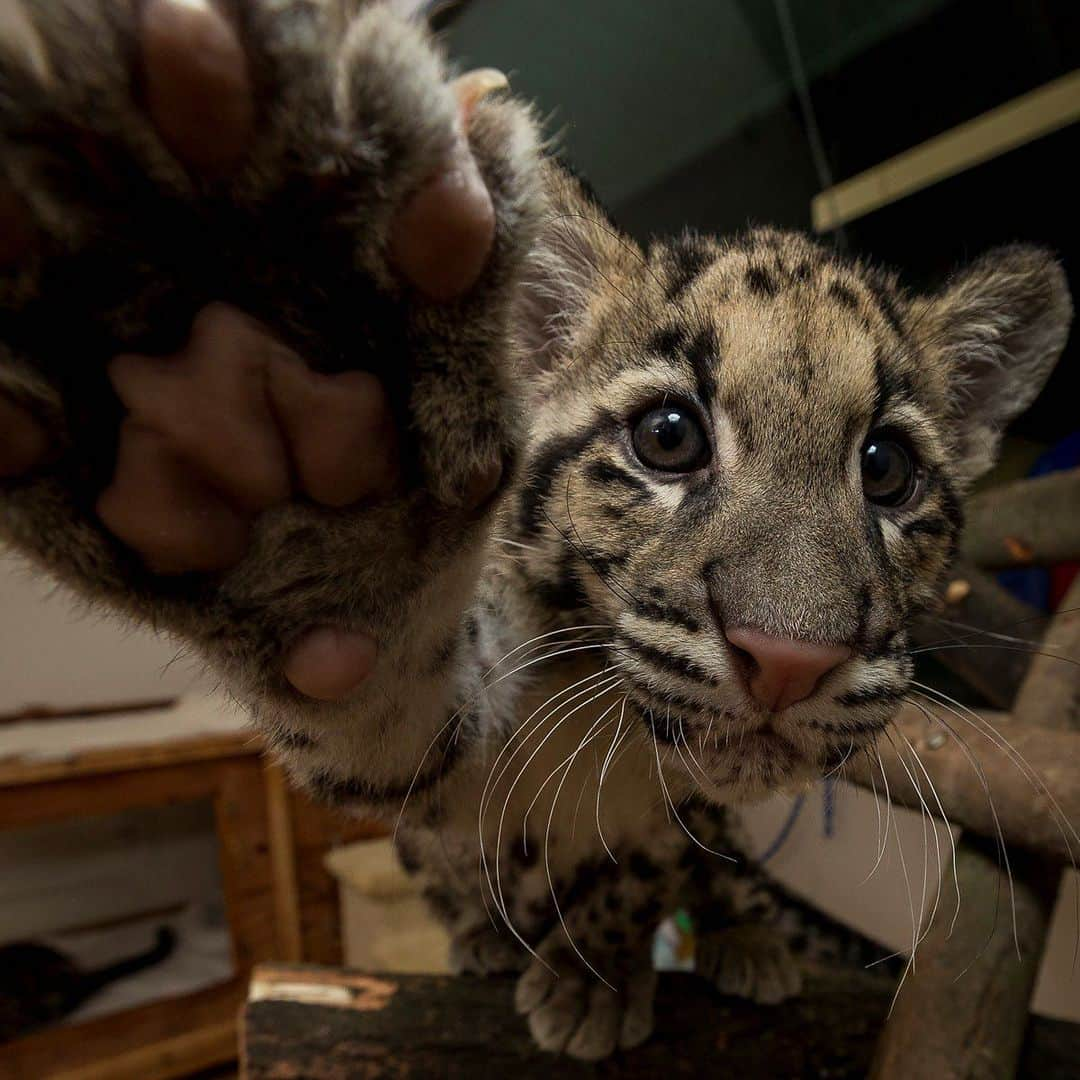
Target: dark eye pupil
888,474
670,431
670,439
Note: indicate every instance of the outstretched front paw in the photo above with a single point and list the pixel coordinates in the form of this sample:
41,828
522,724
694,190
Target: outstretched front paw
255,275
751,962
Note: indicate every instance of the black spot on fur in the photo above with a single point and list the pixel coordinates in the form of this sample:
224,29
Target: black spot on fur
614,936
647,914
642,867
761,282
844,296
688,257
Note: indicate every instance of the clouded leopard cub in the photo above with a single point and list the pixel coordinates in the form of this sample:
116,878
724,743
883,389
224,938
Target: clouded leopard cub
547,544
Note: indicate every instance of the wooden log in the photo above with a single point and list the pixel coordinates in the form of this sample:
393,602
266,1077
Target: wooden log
307,1023
994,667
969,1026
1025,812
1050,696
977,1035
1034,521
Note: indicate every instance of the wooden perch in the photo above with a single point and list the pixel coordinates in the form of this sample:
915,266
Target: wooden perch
949,1025
995,668
977,1034
1033,521
1026,815
303,1023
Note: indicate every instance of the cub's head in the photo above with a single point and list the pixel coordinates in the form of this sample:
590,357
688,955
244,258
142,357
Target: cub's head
747,462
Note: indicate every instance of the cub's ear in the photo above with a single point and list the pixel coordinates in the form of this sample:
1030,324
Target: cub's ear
577,248
1000,326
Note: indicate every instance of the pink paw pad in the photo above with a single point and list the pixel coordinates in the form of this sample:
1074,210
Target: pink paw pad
232,425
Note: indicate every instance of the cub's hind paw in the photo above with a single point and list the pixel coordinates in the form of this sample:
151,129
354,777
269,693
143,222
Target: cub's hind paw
750,962
572,1011
484,951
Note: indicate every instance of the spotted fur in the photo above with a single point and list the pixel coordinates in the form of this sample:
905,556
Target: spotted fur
555,722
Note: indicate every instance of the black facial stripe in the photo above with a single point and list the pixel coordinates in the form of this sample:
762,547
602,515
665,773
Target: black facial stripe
666,613
684,708
844,296
541,473
608,473
930,525
602,561
563,593
866,604
702,353
853,698
890,385
688,258
662,729
667,341
883,297
853,727
444,753
760,281
669,661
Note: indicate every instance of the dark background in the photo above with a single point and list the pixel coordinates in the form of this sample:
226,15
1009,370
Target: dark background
685,114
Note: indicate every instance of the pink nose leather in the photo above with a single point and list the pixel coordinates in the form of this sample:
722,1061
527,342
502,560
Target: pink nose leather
784,670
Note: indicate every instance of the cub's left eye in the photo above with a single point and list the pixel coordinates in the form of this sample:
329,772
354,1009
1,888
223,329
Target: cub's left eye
889,475
670,438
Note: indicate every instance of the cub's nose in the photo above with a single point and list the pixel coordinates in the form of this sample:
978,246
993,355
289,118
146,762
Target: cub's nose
780,671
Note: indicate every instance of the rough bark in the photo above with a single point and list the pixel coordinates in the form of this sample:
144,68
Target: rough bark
1027,817
970,1026
1028,522
322,1024
976,1033
994,667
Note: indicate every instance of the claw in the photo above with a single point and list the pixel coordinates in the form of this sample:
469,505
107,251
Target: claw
474,86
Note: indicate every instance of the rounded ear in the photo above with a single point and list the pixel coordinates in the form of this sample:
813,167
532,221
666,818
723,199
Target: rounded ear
1000,326
577,247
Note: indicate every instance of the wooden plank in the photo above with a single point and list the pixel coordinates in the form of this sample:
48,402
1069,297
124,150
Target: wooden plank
15,772
100,1042
202,1048
1020,121
385,1026
107,793
283,863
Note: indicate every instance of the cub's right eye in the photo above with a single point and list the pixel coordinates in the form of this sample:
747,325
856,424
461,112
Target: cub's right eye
670,439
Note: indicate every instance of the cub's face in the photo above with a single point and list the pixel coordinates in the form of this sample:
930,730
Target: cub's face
748,464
